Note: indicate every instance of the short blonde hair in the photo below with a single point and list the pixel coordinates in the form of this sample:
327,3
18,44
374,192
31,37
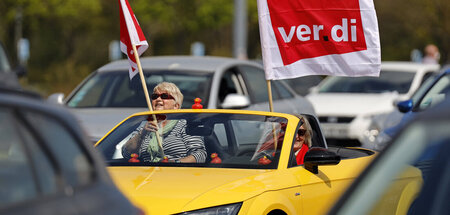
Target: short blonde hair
172,89
307,126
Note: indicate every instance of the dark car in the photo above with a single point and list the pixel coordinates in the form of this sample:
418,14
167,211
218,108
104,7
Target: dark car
47,164
8,75
427,96
423,146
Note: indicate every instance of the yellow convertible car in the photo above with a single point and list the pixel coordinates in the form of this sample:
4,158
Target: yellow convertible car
243,163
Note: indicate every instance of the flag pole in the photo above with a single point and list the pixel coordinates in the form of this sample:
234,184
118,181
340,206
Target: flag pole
269,91
147,97
141,75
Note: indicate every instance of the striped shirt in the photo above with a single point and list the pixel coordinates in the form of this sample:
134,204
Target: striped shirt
176,144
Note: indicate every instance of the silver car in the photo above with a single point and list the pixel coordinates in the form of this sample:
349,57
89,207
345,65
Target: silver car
108,96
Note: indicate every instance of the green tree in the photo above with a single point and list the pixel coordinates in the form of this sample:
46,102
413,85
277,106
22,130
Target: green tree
70,38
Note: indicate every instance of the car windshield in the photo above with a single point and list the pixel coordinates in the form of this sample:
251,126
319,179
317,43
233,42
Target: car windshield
388,81
114,89
230,140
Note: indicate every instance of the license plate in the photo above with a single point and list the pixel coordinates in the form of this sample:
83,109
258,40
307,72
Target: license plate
335,131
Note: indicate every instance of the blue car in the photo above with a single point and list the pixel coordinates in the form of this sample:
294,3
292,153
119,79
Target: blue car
420,146
429,95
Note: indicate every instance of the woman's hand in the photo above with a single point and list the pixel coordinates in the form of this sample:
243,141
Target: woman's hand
150,126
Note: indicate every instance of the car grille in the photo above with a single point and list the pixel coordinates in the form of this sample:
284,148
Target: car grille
334,119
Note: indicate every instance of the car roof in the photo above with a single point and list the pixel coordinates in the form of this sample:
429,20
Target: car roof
195,63
407,66
30,100
13,90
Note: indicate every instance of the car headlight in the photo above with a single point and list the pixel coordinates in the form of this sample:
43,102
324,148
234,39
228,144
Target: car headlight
381,141
370,134
231,209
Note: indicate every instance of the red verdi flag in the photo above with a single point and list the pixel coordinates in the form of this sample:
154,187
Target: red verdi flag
130,34
319,37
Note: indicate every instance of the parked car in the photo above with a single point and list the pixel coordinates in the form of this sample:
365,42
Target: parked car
431,94
47,165
107,96
423,145
8,75
251,176
346,105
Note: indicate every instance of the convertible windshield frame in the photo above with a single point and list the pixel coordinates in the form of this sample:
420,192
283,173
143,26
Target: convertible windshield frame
241,140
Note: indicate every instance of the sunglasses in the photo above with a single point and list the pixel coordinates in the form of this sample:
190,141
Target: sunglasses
301,132
162,95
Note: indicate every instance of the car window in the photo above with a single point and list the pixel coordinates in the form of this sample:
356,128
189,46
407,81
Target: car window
121,95
388,81
191,85
240,140
428,75
75,164
16,176
282,90
422,90
256,83
219,130
90,94
301,85
228,84
45,171
437,93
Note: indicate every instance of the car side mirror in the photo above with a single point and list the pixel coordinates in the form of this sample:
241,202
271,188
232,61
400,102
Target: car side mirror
405,106
56,98
317,156
235,101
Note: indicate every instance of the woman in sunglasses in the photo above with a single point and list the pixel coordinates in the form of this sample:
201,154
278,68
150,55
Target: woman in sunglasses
302,140
177,145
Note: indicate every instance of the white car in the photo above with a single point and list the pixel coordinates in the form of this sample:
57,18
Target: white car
345,106
107,96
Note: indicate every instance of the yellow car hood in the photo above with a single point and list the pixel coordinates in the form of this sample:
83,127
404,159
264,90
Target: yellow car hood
167,190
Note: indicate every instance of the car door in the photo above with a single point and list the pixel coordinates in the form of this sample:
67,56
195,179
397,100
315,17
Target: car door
319,191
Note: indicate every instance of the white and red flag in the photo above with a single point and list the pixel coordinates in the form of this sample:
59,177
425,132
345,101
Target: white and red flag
131,34
319,37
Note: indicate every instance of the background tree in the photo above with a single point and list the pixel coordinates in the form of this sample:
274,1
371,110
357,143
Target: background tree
70,38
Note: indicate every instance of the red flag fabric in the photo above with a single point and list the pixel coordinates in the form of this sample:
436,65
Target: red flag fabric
320,37
130,34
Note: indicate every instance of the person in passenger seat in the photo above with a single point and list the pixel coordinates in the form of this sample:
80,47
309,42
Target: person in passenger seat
302,140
